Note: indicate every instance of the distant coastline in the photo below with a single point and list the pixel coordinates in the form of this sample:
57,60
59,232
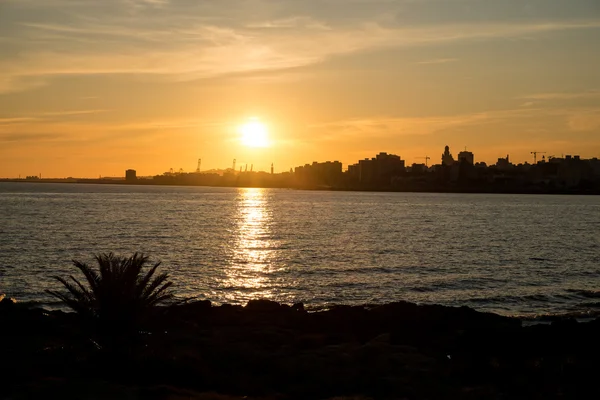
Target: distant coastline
409,188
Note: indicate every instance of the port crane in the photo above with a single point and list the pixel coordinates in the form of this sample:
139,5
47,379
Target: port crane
426,158
535,153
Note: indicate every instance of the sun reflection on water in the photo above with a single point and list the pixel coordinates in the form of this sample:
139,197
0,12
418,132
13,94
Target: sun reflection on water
253,250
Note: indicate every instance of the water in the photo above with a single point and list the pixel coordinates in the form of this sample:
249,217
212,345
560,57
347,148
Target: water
510,254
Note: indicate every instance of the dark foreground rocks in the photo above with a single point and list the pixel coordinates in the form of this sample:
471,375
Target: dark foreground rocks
271,351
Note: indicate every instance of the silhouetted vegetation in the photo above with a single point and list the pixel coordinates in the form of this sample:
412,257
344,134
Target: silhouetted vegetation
119,294
275,351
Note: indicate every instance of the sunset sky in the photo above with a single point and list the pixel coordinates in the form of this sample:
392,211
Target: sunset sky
91,87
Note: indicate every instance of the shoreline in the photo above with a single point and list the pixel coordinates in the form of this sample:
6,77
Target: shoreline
267,350
581,316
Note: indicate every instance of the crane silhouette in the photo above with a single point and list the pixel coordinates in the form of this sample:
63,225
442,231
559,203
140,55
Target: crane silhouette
535,153
426,158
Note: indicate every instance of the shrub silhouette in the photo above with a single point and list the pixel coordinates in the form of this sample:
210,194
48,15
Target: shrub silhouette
119,294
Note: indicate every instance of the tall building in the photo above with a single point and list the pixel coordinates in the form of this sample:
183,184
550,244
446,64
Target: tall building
319,173
379,169
447,158
130,175
467,156
503,163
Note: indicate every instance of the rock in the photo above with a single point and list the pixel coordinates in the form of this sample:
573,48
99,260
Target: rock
202,306
263,305
385,338
565,323
7,301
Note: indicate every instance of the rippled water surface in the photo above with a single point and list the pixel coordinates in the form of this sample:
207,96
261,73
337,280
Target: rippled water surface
512,254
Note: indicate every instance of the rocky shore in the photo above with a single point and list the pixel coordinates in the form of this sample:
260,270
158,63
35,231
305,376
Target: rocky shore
267,350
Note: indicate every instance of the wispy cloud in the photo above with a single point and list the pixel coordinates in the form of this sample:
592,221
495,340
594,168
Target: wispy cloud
585,120
39,122
292,22
180,42
575,120
19,137
70,112
589,94
12,121
438,61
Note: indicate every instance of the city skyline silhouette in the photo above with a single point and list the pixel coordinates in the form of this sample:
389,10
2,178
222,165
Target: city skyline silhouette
92,89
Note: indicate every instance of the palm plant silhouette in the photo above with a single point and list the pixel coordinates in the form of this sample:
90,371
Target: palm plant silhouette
119,293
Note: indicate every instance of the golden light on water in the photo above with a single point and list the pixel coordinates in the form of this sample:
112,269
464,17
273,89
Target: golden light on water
254,134
253,250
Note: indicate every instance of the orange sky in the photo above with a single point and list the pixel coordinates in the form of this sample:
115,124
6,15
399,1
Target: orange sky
92,88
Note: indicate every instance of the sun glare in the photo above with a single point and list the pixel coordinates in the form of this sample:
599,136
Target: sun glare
254,134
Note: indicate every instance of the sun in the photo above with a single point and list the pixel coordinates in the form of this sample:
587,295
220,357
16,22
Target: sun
254,134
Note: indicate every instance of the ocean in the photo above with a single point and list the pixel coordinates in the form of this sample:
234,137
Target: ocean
521,255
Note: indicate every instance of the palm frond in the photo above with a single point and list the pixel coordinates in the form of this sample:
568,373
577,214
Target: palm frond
156,282
90,275
160,295
119,290
84,291
143,283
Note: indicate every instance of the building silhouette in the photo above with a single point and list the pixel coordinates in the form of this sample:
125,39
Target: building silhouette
325,173
388,172
467,156
447,158
130,175
377,170
503,163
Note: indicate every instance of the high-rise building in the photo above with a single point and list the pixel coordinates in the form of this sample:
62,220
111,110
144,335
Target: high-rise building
467,156
379,169
319,173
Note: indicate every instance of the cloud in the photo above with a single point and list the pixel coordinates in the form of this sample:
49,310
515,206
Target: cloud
589,94
187,40
45,126
29,137
47,115
70,113
12,121
15,83
292,22
530,118
438,61
55,126
213,50
585,121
